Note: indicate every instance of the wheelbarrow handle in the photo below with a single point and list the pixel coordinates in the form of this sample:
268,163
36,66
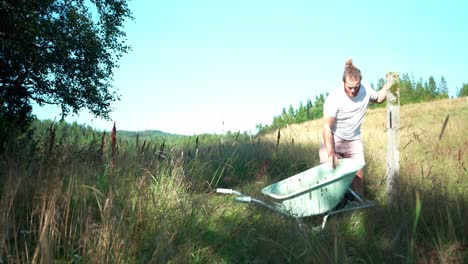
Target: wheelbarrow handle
227,191
244,199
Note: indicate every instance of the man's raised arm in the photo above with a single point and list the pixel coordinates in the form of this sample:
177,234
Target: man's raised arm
383,92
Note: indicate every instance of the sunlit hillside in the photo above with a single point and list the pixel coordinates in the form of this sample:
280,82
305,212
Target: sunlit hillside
426,116
424,150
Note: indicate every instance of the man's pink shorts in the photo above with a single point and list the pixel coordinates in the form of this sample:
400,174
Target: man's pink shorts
344,149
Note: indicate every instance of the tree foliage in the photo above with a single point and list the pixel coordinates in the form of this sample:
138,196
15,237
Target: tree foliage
312,110
61,53
464,90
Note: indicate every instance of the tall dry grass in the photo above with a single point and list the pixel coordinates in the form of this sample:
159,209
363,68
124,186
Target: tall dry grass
145,201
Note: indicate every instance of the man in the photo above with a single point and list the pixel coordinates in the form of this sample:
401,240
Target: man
343,112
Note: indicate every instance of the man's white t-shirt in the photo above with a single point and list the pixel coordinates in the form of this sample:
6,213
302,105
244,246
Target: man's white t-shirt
348,112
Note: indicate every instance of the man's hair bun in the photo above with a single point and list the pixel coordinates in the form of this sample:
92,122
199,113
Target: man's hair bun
351,71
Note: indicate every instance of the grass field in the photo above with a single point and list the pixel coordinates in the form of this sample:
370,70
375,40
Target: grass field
83,197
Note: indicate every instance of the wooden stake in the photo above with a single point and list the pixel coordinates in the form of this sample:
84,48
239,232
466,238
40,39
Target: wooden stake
393,136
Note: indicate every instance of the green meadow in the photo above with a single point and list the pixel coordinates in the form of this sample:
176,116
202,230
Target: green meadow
70,194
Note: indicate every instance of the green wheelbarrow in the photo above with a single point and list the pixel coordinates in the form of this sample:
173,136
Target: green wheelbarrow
316,191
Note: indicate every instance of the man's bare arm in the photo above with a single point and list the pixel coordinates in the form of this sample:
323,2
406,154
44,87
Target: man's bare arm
383,91
328,139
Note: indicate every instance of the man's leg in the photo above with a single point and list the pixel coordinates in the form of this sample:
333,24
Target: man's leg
354,149
358,183
324,155
348,149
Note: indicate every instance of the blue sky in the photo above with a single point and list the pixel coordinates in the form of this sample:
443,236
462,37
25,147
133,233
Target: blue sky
209,66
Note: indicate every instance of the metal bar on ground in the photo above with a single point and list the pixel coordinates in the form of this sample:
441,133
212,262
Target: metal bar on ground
361,206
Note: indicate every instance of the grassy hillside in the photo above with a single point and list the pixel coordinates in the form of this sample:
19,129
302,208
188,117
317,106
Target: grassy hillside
86,197
422,153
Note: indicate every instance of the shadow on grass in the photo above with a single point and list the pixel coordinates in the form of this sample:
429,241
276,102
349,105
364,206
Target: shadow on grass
398,233
255,235
247,163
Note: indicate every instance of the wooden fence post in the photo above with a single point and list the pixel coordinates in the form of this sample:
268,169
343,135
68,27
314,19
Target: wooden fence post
393,137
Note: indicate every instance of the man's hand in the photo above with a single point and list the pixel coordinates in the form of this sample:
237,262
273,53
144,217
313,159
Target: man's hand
382,93
333,160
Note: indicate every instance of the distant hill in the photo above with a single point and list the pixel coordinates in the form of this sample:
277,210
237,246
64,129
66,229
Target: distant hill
146,133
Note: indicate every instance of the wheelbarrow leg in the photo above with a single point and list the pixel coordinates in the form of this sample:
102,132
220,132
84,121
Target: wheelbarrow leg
361,204
353,193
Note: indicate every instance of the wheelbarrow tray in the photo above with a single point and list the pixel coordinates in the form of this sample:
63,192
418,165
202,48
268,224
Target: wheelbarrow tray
315,191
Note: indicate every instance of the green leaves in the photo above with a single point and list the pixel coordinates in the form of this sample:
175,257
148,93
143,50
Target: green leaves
464,90
62,53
